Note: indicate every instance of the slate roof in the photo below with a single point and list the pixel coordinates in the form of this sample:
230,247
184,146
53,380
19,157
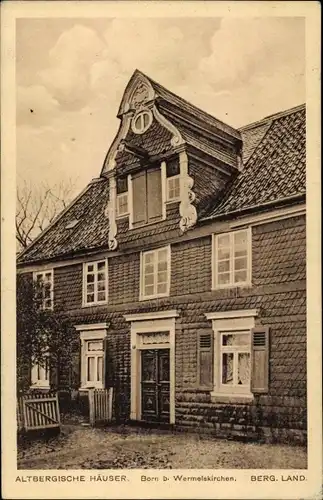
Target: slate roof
274,168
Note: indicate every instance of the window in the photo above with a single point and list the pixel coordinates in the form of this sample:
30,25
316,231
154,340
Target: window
141,122
95,282
240,353
45,289
155,273
122,197
93,356
147,197
232,259
173,180
234,361
173,188
40,374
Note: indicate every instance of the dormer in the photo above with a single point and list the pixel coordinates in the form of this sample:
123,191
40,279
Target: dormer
166,152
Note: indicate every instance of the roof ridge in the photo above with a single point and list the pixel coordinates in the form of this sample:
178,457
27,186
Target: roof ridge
275,116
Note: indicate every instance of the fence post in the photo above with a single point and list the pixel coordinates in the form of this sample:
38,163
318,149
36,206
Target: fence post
91,407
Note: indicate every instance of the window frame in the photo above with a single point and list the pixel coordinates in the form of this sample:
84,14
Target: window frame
122,214
84,294
144,128
233,389
35,380
87,336
231,284
42,273
142,275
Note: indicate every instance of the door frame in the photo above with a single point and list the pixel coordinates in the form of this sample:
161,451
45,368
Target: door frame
163,324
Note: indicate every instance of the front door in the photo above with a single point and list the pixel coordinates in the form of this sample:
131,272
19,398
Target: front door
155,385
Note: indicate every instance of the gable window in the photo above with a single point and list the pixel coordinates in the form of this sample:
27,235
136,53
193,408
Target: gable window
122,197
141,122
232,259
40,373
45,289
95,282
147,197
173,180
155,273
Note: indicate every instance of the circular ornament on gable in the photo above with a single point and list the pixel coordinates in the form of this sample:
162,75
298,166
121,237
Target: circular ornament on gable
141,122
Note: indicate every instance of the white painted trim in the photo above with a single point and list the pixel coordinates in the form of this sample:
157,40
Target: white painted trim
134,118
91,327
177,139
102,302
164,188
258,219
248,282
242,313
85,336
130,201
137,328
152,315
143,297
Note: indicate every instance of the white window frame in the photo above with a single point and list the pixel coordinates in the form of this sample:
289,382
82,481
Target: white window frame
119,197
230,322
231,284
43,273
175,198
142,275
92,333
143,129
36,368
96,302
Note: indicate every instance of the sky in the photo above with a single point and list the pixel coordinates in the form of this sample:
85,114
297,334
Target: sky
71,74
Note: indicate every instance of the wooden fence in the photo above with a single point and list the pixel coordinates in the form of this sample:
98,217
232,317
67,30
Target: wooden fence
38,411
100,405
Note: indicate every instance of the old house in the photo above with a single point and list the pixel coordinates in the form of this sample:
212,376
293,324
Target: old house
182,267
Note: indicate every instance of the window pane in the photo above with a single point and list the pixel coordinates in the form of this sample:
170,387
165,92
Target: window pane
101,286
90,298
227,368
223,253
149,258
47,303
240,238
90,369
101,296
162,266
149,269
149,290
240,276
48,276
241,339
224,266
240,263
243,368
95,345
162,277
224,278
149,279
90,268
101,266
100,369
162,288
146,119
162,255
90,287
90,278
223,240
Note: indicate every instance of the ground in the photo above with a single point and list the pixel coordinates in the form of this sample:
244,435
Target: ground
83,447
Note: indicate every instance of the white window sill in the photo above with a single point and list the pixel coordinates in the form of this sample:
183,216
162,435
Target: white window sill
235,285
217,397
122,216
40,386
152,297
94,304
87,388
175,200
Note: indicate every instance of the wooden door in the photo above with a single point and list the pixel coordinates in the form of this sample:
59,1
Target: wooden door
155,395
